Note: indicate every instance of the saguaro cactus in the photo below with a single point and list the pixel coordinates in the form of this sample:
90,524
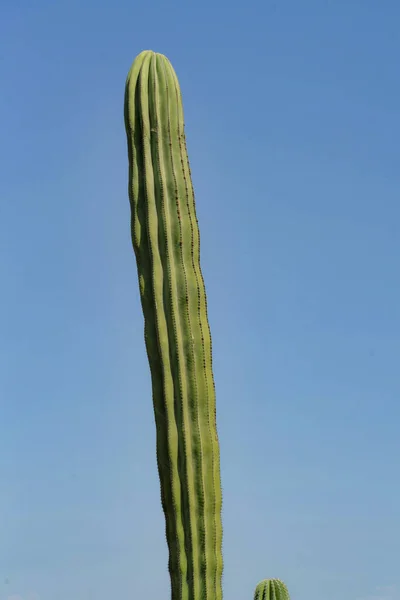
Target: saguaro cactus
166,242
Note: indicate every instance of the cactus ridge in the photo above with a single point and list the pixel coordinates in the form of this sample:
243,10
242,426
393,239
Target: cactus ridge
166,241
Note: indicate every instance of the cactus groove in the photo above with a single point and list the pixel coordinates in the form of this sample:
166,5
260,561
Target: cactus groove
166,242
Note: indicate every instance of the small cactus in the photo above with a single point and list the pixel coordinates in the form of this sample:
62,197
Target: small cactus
166,242
271,589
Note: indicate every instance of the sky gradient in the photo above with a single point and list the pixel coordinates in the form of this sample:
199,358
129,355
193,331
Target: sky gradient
293,127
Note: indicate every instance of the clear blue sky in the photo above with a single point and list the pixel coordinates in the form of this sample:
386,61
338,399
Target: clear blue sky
293,127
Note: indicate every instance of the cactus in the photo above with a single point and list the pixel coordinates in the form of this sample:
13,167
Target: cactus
271,589
165,238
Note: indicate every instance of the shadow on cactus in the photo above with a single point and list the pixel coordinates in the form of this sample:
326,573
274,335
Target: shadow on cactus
165,237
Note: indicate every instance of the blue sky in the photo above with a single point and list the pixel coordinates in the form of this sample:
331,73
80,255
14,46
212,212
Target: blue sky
293,127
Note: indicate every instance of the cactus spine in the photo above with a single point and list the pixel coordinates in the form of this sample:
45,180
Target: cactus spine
166,242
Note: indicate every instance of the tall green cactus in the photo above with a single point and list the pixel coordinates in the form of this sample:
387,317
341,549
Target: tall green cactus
166,242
